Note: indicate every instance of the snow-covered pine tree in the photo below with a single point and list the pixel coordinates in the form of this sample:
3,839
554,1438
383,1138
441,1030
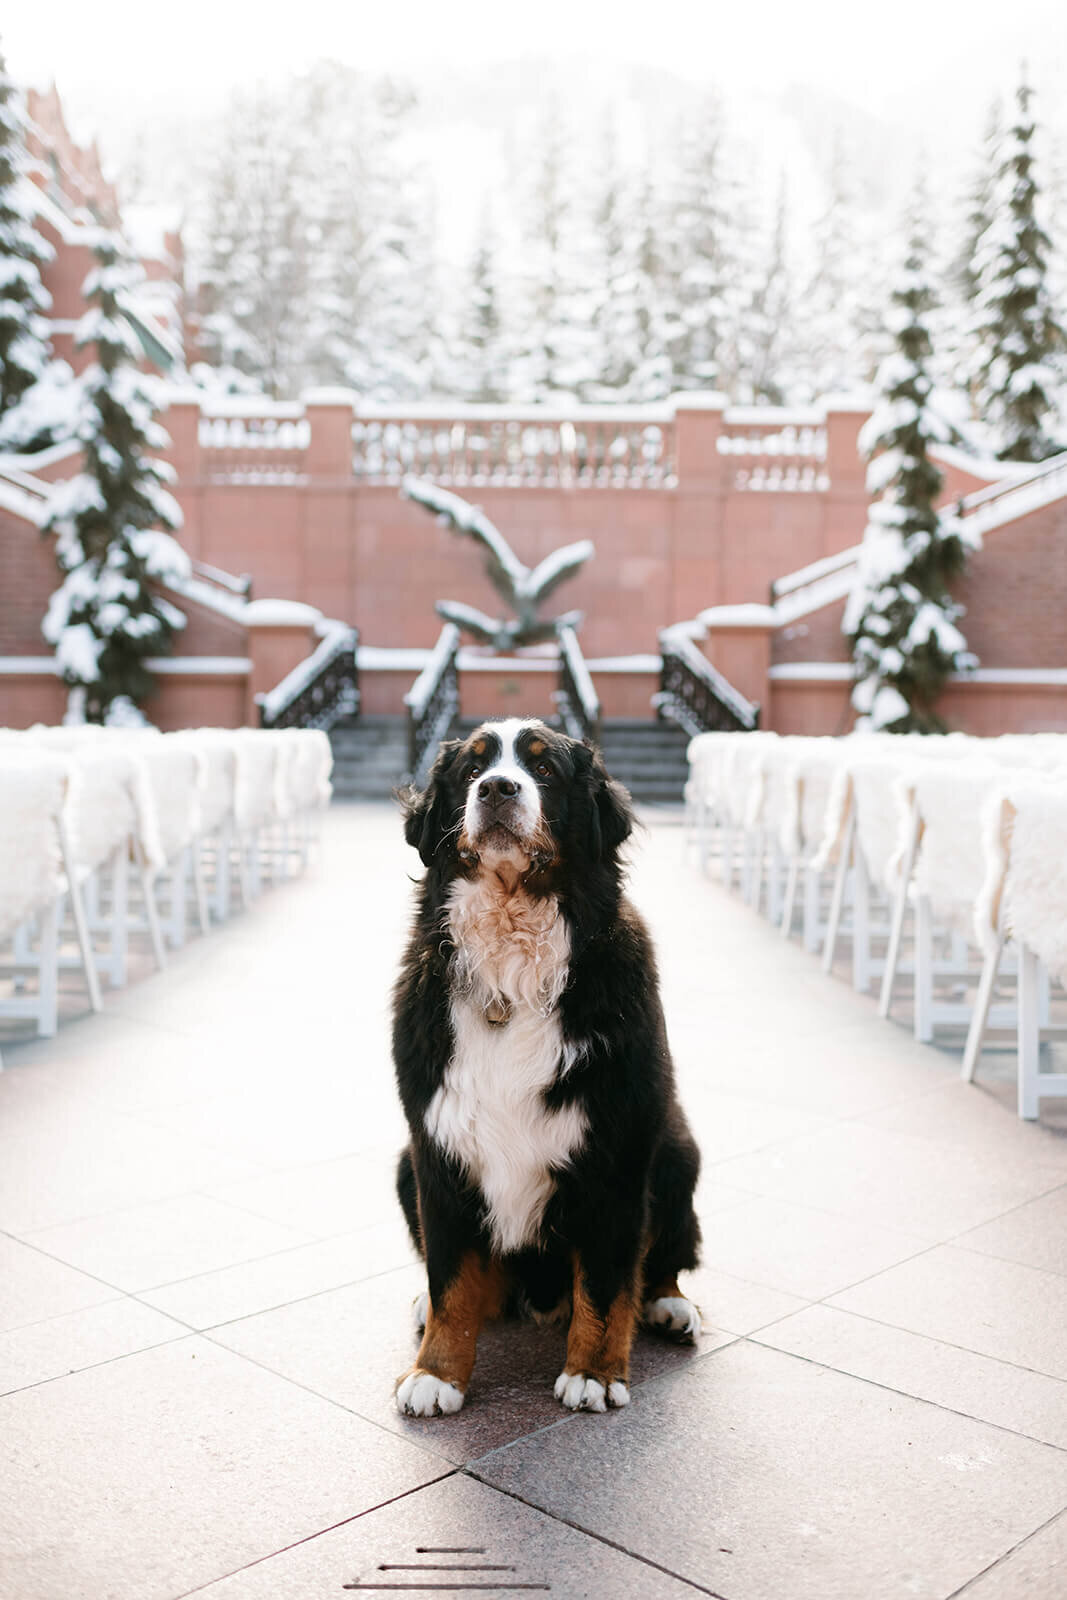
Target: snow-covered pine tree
696,250
899,619
1021,344
253,297
480,356
761,327
827,310
104,619
23,297
977,209
556,344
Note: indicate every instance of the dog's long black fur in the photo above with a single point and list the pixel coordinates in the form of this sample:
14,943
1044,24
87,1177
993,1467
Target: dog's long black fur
625,1203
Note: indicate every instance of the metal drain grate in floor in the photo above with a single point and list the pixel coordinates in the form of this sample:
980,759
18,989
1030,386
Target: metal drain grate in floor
444,1576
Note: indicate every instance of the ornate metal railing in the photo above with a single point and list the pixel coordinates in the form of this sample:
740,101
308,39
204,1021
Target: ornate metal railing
433,704
696,696
577,699
319,691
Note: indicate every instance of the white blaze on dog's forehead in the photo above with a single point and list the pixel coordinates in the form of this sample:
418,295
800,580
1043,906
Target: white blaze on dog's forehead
507,733
527,811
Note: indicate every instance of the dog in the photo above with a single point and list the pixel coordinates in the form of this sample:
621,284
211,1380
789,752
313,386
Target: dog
550,1166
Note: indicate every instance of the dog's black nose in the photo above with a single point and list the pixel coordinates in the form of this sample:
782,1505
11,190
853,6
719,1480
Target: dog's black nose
497,789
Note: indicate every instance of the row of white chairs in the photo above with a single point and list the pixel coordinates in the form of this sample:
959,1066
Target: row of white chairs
942,860
107,834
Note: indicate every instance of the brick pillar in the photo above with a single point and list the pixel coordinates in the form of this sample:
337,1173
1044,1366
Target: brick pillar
742,653
329,451
182,422
698,503
846,500
280,635
328,542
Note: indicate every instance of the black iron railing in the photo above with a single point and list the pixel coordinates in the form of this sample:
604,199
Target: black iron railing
577,699
433,704
319,691
696,696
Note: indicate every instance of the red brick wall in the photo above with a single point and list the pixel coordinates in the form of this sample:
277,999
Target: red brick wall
28,574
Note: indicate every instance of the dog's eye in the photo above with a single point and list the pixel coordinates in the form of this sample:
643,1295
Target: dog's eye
544,770
475,772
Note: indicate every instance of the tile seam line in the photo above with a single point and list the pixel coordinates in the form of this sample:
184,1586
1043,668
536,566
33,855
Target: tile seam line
328,1400
993,1565
1015,1366
319,1533
264,1311
906,1394
572,1418
171,1283
600,1538
96,1366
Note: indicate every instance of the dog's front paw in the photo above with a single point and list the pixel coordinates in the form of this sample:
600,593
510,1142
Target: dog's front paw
674,1315
421,1394
579,1392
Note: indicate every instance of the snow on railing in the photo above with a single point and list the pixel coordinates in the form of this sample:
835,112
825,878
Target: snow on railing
777,449
1004,502
319,690
620,447
261,444
695,694
576,697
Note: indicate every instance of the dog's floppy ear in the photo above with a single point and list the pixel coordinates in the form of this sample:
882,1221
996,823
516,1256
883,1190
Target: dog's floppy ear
610,817
429,816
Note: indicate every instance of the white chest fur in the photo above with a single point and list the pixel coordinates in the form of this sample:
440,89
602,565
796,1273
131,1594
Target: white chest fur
489,1112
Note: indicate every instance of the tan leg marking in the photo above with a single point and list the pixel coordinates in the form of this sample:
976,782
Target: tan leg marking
452,1328
598,1351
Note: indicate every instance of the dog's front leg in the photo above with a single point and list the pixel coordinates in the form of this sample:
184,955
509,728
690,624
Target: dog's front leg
597,1371
459,1302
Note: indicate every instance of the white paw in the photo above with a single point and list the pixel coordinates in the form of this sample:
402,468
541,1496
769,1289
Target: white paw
674,1314
588,1394
420,1310
420,1394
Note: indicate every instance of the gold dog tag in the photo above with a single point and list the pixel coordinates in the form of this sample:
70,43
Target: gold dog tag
498,1011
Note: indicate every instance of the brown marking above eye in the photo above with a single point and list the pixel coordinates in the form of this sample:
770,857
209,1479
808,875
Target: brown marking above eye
536,747
478,747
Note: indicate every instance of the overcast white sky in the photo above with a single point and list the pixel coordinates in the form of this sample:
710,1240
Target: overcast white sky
880,56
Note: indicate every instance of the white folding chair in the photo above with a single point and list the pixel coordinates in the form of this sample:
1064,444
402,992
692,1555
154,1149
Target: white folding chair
36,875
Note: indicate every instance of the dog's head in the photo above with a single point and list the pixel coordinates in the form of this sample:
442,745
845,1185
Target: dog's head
520,792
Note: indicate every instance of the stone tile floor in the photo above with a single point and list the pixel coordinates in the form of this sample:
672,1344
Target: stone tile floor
205,1293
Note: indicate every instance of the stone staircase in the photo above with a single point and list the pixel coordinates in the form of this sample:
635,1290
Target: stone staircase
648,757
370,757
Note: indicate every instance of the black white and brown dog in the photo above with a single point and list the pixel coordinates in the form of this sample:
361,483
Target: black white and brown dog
550,1164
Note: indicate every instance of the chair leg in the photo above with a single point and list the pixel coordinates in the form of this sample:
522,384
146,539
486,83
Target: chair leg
924,970
48,973
861,924
812,901
980,1014
785,927
900,907
202,916
223,867
148,893
838,900
81,926
1029,1037
119,921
